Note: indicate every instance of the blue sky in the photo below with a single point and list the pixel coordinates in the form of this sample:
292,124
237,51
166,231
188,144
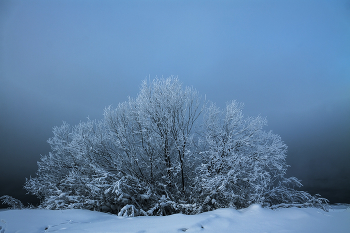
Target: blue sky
286,60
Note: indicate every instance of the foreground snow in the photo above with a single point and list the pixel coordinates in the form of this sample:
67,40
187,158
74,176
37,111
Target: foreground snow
252,219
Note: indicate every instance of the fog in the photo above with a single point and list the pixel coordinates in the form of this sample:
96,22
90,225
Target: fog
286,60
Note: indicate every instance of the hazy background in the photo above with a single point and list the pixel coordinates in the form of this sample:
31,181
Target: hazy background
286,60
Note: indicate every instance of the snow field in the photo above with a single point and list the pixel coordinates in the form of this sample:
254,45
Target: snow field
252,219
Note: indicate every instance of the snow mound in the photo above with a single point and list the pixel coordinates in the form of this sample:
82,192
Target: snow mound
252,219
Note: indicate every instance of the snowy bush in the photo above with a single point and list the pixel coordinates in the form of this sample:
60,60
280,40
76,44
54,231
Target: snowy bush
12,202
242,164
165,152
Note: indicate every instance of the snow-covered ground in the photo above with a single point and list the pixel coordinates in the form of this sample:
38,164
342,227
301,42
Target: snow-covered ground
252,219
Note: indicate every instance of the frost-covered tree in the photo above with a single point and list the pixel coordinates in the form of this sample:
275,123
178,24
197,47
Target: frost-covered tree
242,164
170,112
156,155
154,132
77,170
145,142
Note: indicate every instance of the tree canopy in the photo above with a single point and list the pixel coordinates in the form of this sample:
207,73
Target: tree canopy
165,152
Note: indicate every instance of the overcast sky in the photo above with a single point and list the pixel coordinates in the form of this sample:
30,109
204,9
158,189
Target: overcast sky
286,60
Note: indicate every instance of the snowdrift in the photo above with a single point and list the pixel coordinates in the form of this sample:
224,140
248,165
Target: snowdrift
252,219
